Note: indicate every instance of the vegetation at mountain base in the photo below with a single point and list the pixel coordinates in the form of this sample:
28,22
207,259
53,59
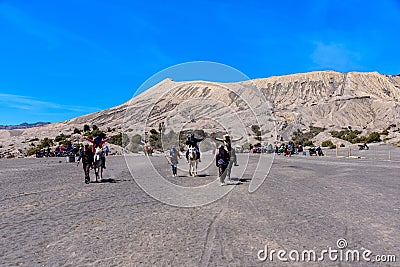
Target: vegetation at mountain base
116,139
328,143
353,137
304,138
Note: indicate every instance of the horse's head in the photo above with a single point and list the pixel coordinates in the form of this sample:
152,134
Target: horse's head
192,153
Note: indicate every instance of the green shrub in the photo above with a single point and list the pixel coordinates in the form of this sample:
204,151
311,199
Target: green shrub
384,132
327,143
94,127
46,142
116,139
342,145
77,131
361,139
60,137
65,143
86,128
347,134
304,138
373,137
308,143
33,150
136,139
255,128
95,133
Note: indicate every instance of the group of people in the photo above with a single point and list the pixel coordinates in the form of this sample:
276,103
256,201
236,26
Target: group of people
288,149
59,151
87,155
225,158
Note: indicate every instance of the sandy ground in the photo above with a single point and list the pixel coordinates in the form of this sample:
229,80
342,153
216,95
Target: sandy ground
49,217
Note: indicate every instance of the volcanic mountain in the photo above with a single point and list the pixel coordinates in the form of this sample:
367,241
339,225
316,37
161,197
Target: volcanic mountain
369,102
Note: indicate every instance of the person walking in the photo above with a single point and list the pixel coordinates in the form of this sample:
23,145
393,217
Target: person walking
226,139
222,161
107,150
87,157
173,156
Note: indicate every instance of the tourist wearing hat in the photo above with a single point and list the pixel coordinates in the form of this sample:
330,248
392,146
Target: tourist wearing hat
222,161
226,139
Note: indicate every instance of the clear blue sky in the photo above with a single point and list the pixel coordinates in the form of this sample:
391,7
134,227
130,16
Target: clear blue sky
61,59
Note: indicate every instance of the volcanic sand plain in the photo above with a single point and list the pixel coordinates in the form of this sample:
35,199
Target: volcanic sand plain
50,217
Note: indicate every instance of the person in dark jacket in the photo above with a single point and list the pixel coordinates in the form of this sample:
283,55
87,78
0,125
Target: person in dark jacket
222,161
87,157
192,141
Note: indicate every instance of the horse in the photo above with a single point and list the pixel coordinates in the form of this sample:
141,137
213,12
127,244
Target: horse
193,161
98,164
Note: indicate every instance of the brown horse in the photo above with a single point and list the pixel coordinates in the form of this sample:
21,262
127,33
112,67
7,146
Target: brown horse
148,150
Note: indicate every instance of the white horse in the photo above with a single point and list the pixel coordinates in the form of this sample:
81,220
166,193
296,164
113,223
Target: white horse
98,164
193,161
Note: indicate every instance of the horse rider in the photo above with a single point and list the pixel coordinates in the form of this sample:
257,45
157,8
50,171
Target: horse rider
98,142
192,141
87,157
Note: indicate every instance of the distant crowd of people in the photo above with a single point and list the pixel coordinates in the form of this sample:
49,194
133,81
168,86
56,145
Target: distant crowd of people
59,151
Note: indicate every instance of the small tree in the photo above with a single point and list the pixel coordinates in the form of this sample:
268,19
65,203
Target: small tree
308,143
65,143
86,128
136,139
374,137
94,127
33,150
60,137
46,142
77,131
116,139
328,143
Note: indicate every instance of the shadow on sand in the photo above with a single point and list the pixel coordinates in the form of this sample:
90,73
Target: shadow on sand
110,180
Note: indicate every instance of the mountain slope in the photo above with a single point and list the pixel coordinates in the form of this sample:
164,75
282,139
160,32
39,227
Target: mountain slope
365,101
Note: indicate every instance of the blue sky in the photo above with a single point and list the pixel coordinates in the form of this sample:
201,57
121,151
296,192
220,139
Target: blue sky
62,59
